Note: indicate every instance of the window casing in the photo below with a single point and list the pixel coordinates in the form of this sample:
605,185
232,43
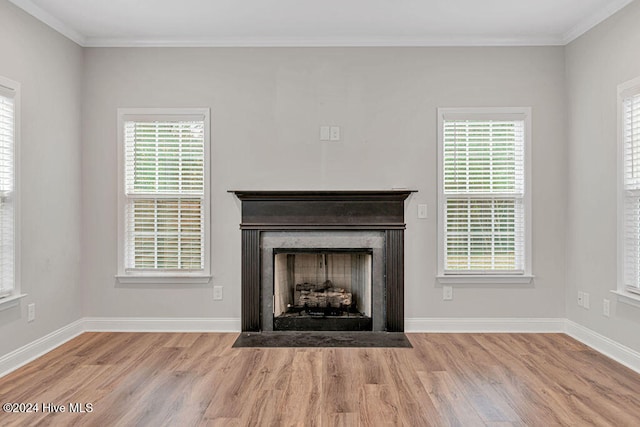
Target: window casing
9,192
164,211
484,195
629,187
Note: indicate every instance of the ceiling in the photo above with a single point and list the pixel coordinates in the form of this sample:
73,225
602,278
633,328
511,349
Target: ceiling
321,22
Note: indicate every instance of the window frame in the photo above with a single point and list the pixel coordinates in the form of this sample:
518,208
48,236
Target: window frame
626,90
497,277
128,276
12,299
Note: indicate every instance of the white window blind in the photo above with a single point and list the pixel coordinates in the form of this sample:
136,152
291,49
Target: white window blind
631,166
7,193
165,194
483,192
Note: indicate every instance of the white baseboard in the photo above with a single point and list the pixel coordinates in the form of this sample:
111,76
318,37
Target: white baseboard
461,325
610,348
616,351
159,324
25,354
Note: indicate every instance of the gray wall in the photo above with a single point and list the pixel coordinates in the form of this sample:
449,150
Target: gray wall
49,68
267,105
596,64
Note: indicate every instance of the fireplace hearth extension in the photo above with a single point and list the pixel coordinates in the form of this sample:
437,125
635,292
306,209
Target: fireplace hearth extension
327,221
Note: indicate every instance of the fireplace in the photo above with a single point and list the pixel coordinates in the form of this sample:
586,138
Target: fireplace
322,289
322,260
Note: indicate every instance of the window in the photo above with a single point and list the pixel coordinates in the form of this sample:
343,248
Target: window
484,197
629,200
9,239
164,195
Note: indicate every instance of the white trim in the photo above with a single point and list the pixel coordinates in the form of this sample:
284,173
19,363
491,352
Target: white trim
15,87
625,89
509,113
203,276
10,301
160,324
163,280
485,279
584,25
50,20
606,346
612,349
609,9
627,297
27,353
451,41
484,325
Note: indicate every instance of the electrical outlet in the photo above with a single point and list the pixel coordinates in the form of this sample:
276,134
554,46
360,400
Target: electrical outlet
447,293
217,293
585,301
605,307
581,299
31,312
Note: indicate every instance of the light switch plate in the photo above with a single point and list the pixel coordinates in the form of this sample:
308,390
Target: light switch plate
422,211
325,133
217,293
334,133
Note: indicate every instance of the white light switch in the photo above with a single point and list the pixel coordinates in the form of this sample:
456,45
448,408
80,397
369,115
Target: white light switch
325,133
422,211
217,293
334,133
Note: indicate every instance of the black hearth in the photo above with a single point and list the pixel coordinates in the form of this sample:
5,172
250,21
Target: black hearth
323,260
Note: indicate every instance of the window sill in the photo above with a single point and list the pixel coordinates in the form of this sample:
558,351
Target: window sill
10,301
485,279
627,297
165,279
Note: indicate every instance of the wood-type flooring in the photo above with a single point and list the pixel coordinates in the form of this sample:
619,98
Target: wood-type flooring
194,379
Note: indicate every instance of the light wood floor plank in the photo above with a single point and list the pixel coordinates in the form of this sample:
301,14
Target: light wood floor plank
199,379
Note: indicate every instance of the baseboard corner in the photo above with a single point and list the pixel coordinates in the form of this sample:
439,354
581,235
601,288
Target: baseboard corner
604,345
31,351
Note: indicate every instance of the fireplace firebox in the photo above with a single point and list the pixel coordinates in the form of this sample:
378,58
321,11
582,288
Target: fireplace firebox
322,260
322,289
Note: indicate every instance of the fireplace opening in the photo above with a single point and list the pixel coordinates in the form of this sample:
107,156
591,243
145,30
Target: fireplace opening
322,289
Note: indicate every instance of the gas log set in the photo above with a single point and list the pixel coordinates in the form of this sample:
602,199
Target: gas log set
321,300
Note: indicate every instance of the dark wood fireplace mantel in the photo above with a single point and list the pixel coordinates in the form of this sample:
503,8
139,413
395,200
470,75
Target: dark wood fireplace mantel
323,210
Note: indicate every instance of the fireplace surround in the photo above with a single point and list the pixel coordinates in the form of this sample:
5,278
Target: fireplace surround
322,222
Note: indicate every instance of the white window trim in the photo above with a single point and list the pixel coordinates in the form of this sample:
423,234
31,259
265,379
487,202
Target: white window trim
147,277
12,300
491,278
629,88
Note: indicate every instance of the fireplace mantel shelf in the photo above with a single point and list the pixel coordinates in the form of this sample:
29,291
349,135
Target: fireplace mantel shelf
329,210
355,195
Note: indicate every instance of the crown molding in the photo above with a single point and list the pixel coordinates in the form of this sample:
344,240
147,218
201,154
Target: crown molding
579,29
50,20
594,19
454,41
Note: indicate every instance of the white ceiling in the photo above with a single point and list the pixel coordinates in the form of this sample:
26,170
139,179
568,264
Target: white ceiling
321,22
